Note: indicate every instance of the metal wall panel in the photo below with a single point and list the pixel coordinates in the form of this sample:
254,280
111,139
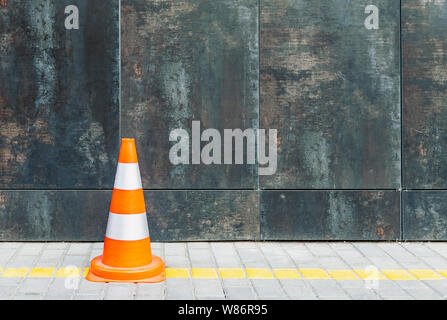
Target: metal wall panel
172,215
332,89
424,41
424,215
59,110
182,61
330,215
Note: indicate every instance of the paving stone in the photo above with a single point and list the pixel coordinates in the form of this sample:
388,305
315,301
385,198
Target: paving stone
235,283
370,249
6,255
78,261
87,297
298,292
435,262
283,261
34,285
207,288
150,291
31,249
239,293
179,289
389,289
11,245
29,296
19,261
419,249
6,292
120,291
90,288
79,249
362,294
228,262
56,246
98,245
321,249
175,249
223,249
176,261
267,288
333,263
327,288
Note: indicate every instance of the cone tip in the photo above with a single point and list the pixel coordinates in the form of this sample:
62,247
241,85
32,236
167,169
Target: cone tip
128,152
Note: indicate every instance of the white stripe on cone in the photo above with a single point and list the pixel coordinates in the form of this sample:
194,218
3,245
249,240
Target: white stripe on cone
128,227
128,176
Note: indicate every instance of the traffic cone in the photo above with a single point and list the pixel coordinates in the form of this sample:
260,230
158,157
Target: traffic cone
127,253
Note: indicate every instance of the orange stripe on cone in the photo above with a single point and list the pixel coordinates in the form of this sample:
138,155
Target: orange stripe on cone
127,254
127,201
127,257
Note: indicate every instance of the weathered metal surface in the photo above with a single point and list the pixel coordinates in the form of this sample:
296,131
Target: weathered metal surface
182,61
425,215
424,41
203,215
172,215
332,89
330,215
53,215
59,111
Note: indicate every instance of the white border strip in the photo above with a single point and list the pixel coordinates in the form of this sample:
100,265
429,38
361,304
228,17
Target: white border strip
127,226
128,176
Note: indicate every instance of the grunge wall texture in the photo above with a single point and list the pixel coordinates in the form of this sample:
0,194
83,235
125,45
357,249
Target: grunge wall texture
361,117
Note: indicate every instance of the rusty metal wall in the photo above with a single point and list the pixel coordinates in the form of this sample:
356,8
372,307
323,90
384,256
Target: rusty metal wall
359,113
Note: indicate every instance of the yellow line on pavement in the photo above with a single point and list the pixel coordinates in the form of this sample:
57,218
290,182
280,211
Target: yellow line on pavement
343,274
15,273
177,273
41,272
204,273
397,274
425,274
315,274
251,273
286,274
259,273
231,273
370,274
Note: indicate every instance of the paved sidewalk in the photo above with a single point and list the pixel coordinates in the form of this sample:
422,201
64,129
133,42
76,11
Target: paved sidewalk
235,270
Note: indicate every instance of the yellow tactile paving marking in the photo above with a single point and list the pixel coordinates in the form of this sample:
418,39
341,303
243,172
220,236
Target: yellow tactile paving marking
204,273
314,274
398,274
231,273
259,273
370,274
177,273
343,274
443,272
251,273
41,273
425,274
286,274
15,272
68,272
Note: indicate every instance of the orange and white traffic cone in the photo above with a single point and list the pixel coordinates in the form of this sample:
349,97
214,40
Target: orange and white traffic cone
127,253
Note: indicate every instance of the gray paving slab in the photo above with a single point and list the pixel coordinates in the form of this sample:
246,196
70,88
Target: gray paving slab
239,293
120,291
208,288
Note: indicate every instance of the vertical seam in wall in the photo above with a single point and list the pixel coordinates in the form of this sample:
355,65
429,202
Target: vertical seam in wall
260,237
401,127
119,68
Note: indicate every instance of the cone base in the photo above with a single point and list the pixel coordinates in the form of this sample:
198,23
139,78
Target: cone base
151,273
